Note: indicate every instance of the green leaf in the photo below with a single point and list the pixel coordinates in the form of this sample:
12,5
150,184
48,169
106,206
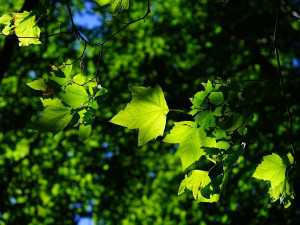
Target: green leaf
206,141
5,19
199,98
116,5
206,119
84,132
272,169
223,145
7,30
282,191
187,135
191,140
26,29
210,193
66,68
218,111
78,79
75,96
238,121
147,112
220,134
55,117
208,86
216,98
194,181
38,85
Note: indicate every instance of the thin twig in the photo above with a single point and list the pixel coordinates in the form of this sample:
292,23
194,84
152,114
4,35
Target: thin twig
279,73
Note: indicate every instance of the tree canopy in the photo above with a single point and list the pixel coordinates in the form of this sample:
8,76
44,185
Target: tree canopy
205,94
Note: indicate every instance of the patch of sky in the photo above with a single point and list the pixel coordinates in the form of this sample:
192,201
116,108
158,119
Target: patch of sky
171,150
70,154
108,155
105,144
295,62
176,146
155,18
117,149
85,221
32,74
89,209
75,205
152,174
87,17
98,177
13,201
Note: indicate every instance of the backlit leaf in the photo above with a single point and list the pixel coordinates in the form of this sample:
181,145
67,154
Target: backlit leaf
191,140
75,96
194,181
26,29
38,85
55,116
272,169
147,112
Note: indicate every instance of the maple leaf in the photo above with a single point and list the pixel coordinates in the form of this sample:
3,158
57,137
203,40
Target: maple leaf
147,112
191,139
26,29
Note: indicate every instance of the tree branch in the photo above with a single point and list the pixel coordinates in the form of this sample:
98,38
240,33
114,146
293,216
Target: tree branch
279,73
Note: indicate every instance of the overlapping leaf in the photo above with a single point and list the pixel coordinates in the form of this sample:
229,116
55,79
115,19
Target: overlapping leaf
273,169
55,117
191,140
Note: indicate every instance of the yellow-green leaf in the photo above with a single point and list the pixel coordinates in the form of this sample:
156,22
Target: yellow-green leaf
116,6
26,29
272,169
191,139
194,181
38,85
147,112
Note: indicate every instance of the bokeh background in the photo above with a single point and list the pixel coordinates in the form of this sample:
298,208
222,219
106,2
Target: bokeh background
108,179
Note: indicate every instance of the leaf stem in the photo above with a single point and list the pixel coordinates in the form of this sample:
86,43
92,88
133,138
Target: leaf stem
177,110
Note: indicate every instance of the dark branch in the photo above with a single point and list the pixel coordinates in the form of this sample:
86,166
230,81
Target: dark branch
279,73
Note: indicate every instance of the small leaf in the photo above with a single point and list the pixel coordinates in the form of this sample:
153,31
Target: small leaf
211,192
38,85
282,191
206,119
75,96
195,181
208,86
199,98
84,132
216,98
5,19
78,79
147,112
55,117
223,145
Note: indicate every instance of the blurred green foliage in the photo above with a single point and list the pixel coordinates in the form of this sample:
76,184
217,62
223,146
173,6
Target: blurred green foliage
47,180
